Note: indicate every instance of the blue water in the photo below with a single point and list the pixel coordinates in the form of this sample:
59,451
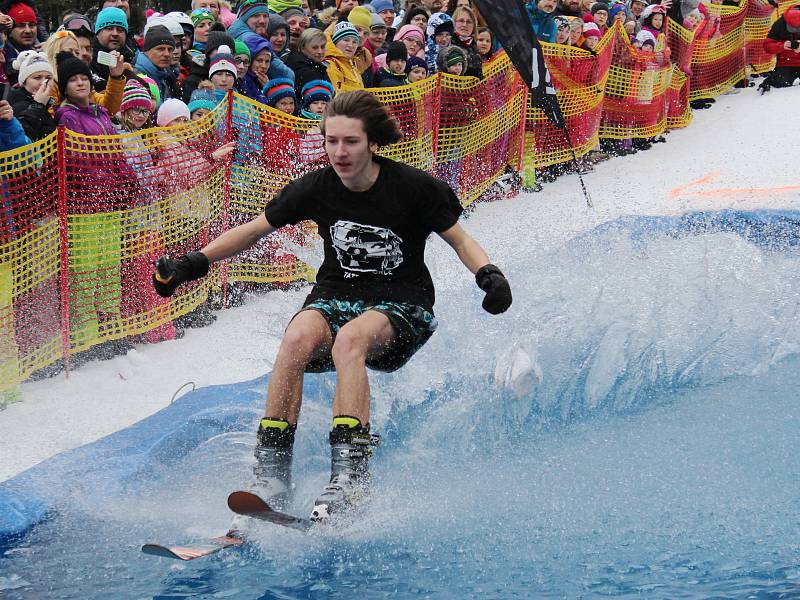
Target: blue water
630,429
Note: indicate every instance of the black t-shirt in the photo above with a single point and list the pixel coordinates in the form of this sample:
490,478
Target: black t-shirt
374,240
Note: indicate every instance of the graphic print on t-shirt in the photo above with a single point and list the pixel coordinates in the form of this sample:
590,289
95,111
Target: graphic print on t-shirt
365,248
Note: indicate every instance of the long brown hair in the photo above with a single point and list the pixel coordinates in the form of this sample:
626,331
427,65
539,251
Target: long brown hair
379,124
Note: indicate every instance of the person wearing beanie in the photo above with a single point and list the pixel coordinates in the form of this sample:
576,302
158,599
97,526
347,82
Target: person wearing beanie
155,61
241,55
278,35
394,73
316,95
297,21
783,41
466,26
385,10
280,95
414,39
376,38
440,36
562,29
361,18
111,35
213,6
136,107
654,18
540,13
21,37
452,60
201,62
77,112
256,76
222,70
203,100
32,98
172,112
202,20
617,12
591,36
600,12
253,16
416,69
341,49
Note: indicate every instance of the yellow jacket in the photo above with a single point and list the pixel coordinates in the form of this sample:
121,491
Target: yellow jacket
110,99
342,71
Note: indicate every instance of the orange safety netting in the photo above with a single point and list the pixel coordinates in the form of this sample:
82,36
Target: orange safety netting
83,218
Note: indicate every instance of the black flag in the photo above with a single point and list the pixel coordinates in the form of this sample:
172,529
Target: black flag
509,21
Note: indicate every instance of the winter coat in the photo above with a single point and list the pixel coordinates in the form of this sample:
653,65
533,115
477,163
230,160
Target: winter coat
773,44
110,98
85,120
474,66
12,135
35,119
166,79
342,71
251,88
385,78
198,74
305,70
543,24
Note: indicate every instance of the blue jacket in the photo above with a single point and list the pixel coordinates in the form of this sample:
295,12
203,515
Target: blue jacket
145,65
12,135
239,30
543,24
252,88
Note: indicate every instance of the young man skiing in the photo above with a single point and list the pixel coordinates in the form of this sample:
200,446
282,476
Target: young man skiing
372,304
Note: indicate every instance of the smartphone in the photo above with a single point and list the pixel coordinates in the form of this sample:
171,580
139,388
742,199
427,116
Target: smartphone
106,58
6,87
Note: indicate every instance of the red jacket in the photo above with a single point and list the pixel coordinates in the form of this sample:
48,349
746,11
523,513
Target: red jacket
778,35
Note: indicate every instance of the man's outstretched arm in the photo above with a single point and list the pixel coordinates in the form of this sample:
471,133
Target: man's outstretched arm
488,277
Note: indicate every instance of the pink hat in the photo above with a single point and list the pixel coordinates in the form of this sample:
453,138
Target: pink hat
591,30
410,32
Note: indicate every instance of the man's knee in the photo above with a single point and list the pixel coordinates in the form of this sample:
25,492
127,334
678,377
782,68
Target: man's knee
351,344
301,341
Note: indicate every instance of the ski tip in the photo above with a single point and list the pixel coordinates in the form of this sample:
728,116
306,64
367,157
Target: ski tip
242,501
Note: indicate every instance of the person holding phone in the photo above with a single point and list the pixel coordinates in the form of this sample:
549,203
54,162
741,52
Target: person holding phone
783,41
32,98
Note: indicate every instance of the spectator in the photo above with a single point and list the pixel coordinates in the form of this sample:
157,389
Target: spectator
316,95
111,32
222,71
414,39
376,38
175,61
201,62
257,76
394,73
652,19
361,19
783,40
591,36
202,20
278,35
280,95
241,56
440,32
21,37
562,30
308,60
486,43
416,69
569,8
385,10
211,6
465,26
600,14
341,49
32,98
452,60
635,7
83,31
136,108
540,13
155,61
77,111
576,32
253,16
297,22
203,101
416,16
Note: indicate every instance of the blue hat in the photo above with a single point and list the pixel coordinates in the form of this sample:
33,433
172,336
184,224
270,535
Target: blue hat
202,99
318,89
256,44
275,89
381,5
111,16
250,8
345,29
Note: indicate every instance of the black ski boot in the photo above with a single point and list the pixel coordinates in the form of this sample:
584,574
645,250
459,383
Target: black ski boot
351,447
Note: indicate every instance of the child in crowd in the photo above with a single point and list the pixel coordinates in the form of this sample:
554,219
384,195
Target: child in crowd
279,93
416,69
591,37
31,98
485,42
440,32
222,71
136,108
645,41
452,60
256,76
394,73
316,96
693,19
414,39
203,100
562,30
653,18
617,13
241,57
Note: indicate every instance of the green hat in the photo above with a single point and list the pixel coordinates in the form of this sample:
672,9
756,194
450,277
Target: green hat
241,48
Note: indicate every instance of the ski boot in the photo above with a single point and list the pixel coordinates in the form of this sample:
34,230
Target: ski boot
273,468
351,447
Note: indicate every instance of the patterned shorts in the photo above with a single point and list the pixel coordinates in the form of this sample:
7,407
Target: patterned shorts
414,326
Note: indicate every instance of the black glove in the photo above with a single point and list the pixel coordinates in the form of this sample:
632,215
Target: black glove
171,272
498,293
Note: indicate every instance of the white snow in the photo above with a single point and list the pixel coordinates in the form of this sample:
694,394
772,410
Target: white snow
741,154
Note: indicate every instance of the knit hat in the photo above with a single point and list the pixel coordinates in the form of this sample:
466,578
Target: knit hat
135,96
251,8
240,47
381,5
217,39
202,99
411,32
292,11
591,30
30,62
396,51
792,19
276,22
377,23
278,6
183,20
343,30
222,61
598,6
172,109
111,16
68,66
561,21
316,89
275,89
415,61
440,23
256,44
198,15
158,35
615,10
360,16
645,37
454,55
24,13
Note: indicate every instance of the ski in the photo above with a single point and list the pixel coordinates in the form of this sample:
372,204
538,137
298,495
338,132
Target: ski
213,546
250,505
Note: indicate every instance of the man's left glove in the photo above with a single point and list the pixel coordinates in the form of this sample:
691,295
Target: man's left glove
498,293
171,272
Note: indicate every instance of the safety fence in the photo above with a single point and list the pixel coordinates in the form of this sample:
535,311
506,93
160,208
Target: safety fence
83,218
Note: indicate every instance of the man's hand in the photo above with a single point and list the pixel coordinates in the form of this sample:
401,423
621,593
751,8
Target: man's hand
118,69
6,112
498,293
170,273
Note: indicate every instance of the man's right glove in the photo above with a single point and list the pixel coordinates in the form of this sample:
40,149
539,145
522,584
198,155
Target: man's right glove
498,293
171,272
